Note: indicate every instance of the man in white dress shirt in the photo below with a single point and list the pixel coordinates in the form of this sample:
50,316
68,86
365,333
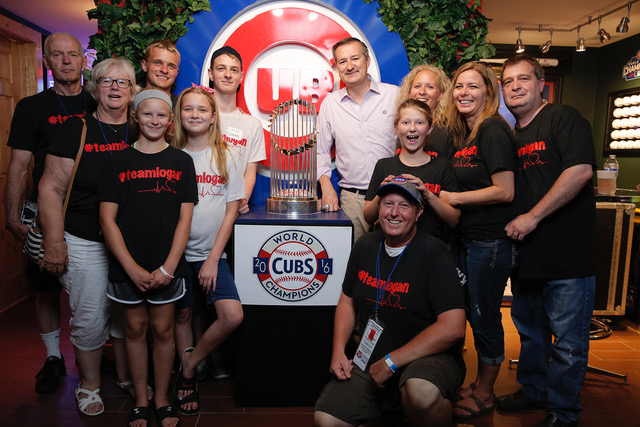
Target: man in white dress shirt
358,120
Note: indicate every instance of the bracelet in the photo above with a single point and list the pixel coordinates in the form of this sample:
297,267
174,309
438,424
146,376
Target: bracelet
390,363
167,275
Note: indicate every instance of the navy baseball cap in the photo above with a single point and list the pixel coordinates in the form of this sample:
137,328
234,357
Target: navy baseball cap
400,185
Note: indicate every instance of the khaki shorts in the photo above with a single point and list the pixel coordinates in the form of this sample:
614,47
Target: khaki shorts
358,399
353,206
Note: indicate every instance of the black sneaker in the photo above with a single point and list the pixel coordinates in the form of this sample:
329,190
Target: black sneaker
220,371
48,379
518,401
553,421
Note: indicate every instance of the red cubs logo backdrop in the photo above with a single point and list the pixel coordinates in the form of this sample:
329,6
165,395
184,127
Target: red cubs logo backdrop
286,54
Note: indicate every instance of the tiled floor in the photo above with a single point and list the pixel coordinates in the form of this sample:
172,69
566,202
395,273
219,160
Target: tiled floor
607,402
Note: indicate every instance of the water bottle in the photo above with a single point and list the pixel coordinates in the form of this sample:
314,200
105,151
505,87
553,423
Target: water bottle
611,164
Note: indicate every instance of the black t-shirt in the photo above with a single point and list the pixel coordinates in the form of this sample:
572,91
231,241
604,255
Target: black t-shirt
424,284
492,150
150,190
563,246
82,217
440,143
437,175
35,120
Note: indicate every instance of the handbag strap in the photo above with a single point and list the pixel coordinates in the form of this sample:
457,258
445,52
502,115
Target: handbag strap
75,167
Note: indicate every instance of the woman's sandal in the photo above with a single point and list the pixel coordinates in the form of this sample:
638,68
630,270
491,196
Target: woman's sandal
167,412
472,413
186,384
140,413
458,397
92,397
129,388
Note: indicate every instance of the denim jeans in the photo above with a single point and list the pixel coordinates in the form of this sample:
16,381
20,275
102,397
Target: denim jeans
488,265
553,319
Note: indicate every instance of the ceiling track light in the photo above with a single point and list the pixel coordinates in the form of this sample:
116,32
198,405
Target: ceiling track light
544,48
604,36
623,27
519,45
580,43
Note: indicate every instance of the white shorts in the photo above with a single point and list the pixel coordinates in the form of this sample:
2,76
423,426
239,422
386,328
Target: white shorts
86,282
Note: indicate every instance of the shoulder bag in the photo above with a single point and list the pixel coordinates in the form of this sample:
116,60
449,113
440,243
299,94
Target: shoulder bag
34,242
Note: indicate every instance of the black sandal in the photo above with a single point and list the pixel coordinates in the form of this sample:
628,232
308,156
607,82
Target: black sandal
458,397
167,412
140,413
186,384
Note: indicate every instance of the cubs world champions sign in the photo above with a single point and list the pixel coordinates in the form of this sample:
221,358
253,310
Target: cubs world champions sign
292,265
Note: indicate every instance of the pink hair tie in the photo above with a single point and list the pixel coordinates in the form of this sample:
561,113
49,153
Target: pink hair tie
205,88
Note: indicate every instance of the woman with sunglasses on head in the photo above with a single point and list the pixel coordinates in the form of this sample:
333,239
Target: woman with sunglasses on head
484,163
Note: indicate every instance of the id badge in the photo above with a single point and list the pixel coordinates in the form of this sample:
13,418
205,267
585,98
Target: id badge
234,133
368,342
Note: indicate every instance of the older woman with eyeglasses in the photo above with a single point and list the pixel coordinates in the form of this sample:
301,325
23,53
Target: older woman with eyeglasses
74,246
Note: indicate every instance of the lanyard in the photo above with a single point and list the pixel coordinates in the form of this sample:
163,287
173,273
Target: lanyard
380,290
65,109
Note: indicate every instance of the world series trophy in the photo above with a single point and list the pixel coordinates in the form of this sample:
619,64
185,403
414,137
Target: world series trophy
293,159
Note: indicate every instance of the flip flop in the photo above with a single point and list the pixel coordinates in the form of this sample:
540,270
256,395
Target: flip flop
140,413
472,413
167,412
92,397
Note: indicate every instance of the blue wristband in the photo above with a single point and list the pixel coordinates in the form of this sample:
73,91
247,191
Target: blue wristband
390,363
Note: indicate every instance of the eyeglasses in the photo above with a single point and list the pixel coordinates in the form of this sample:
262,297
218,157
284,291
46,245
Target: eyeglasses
108,82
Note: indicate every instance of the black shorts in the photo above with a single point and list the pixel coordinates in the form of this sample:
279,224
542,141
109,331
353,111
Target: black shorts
41,281
127,293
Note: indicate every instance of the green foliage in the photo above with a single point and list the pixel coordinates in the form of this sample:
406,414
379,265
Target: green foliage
127,27
445,33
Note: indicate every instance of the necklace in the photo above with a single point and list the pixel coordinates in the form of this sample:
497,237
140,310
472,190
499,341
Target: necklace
115,129
126,137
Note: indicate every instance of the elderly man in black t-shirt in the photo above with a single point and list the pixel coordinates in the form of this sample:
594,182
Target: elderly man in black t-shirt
554,289
402,289
34,121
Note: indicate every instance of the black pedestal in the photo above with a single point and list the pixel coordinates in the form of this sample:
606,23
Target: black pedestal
282,355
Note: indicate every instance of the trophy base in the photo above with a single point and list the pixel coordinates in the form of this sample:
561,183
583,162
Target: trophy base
293,207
